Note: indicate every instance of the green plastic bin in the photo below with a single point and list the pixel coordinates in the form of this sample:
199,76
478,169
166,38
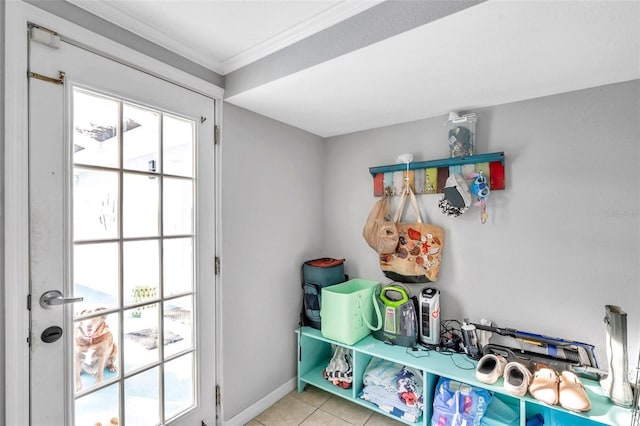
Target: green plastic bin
348,311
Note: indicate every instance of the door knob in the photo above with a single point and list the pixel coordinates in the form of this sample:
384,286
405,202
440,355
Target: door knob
54,298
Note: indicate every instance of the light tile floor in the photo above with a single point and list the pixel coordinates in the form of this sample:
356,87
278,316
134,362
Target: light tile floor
315,407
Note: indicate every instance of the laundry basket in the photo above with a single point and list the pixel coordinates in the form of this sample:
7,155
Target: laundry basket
348,312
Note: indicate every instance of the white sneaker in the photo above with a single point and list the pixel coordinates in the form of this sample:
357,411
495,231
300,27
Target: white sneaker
490,368
516,378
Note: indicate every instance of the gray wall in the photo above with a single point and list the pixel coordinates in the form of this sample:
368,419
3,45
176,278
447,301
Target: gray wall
561,241
272,203
2,344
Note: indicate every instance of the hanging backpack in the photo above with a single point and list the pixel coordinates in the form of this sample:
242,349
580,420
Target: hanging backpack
316,274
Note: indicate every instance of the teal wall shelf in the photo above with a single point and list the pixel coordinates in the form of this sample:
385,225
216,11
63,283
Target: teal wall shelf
429,177
445,162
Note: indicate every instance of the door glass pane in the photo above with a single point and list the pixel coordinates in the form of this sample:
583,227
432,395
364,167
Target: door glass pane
140,337
95,206
96,348
142,399
140,204
179,385
178,266
141,139
178,326
178,206
178,135
100,406
95,129
141,262
133,233
95,272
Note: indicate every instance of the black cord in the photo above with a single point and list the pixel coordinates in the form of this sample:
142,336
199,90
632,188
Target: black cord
450,327
451,353
450,344
451,335
418,351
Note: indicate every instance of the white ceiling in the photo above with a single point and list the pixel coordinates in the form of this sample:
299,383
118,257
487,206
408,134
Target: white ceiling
224,35
492,53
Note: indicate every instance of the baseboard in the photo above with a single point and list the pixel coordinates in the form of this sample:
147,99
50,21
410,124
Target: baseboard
249,413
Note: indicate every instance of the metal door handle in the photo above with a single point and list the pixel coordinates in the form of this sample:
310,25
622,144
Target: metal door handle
54,298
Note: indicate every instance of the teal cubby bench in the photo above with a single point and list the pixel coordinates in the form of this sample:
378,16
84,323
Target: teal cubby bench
314,354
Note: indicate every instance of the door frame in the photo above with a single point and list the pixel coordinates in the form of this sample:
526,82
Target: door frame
16,196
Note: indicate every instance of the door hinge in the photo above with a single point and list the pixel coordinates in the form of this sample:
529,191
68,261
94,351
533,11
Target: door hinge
29,308
59,80
45,36
218,395
217,265
216,135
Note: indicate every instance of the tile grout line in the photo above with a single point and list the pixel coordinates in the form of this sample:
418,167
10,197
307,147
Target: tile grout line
305,419
295,397
338,417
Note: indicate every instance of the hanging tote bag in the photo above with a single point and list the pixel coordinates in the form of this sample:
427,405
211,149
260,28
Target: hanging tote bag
380,230
418,254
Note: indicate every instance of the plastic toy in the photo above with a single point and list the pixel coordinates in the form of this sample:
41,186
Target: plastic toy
480,189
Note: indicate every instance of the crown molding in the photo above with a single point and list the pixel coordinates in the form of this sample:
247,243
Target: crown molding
330,16
111,13
321,21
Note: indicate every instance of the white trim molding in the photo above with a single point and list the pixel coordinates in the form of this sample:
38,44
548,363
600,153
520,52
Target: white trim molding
302,30
249,413
16,219
323,20
16,173
116,16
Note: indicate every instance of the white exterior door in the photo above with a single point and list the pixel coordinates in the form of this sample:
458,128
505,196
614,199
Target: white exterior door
121,205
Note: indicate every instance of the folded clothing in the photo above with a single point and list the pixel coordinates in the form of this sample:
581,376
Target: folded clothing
345,383
395,378
336,375
340,368
409,386
381,372
394,388
341,364
390,403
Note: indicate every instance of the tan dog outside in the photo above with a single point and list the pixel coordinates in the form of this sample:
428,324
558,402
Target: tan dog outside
94,347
